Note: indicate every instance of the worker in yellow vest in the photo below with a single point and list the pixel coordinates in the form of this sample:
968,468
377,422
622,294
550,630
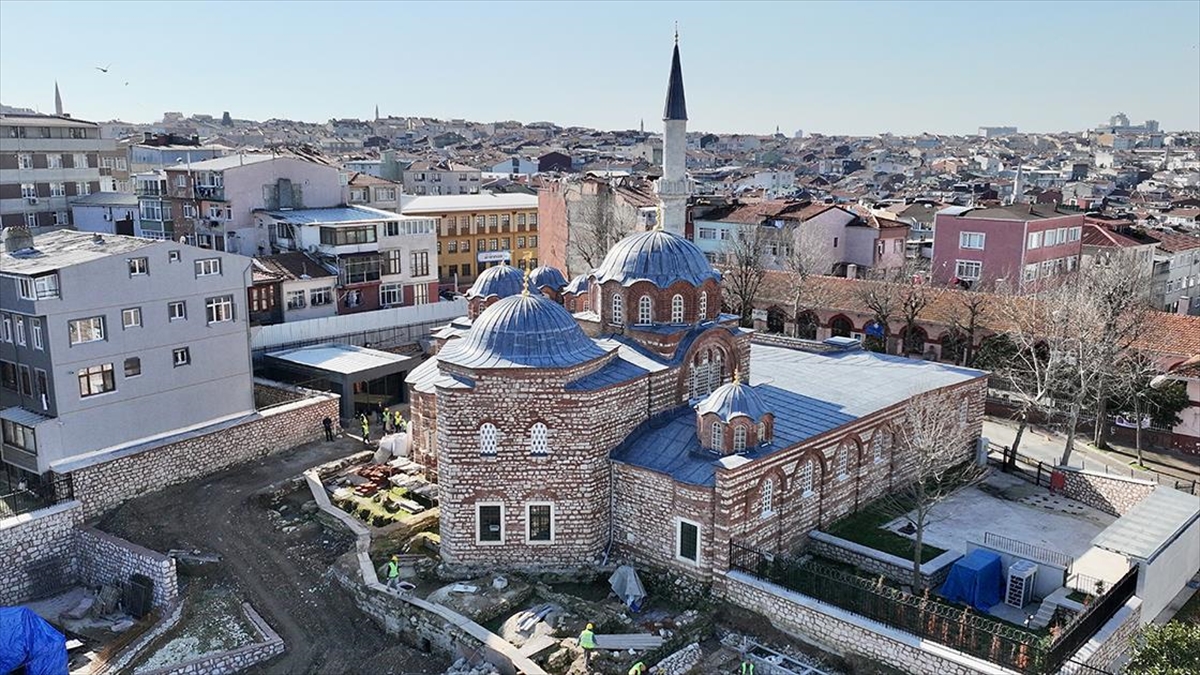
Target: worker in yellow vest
747,667
393,572
638,668
587,641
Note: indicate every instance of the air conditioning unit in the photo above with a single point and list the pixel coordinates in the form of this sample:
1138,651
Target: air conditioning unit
1021,577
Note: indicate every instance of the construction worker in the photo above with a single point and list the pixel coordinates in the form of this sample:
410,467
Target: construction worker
366,429
387,421
747,666
638,668
393,572
587,641
328,424
398,423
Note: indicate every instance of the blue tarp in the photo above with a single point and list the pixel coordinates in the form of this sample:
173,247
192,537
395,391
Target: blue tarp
976,580
27,640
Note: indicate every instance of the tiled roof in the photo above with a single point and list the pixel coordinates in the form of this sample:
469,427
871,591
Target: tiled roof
290,266
1018,212
1174,243
757,212
1095,235
360,179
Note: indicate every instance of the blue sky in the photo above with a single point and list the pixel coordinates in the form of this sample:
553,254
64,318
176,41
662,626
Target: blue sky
860,68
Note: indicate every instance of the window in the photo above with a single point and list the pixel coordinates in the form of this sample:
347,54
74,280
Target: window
35,332
492,220
716,437
208,267
31,220
520,242
347,236
521,220
1030,273
451,246
360,270
19,436
174,256
677,309
7,329
1034,241
83,188
26,381
766,498
539,442
295,300
190,211
28,190
24,161
645,310
877,442
533,239
465,245
493,244
420,263
58,189
133,366
8,375
968,270
96,380
391,261
843,459
54,161
539,519
19,329
708,233
466,270
181,356
391,294
43,384
806,479
219,309
971,240
739,438
420,294
90,329
138,267
506,244
478,224
489,439
61,218
320,296
491,523
176,310
533,221
618,309
687,541
703,305
835,242
1075,233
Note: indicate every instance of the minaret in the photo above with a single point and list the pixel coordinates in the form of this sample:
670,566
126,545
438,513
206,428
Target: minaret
1018,189
376,112
58,110
673,187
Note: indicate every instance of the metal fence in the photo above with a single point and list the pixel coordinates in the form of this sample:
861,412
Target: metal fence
1028,551
47,491
1085,625
1038,472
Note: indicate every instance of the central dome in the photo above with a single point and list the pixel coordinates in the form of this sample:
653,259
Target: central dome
733,400
522,331
501,281
657,256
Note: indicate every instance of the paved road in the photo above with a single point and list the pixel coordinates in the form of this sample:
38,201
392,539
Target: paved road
281,574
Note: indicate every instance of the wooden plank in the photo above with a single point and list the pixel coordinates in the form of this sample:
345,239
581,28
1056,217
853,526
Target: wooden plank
537,645
628,641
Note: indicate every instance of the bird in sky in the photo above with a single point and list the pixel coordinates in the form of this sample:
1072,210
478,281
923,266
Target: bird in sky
104,69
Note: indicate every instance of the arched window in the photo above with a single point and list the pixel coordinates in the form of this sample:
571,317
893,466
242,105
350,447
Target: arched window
806,478
429,441
586,303
716,369
703,306
843,461
677,309
539,441
716,437
618,309
767,497
739,438
881,444
489,438
762,433
645,310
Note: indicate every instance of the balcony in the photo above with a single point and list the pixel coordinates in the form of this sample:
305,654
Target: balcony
210,192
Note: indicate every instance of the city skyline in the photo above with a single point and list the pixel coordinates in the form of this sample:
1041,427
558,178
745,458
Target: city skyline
865,68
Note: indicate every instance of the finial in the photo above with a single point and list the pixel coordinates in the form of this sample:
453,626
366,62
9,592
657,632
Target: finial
528,273
676,32
737,375
658,219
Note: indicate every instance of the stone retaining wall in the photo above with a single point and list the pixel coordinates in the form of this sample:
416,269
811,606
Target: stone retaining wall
235,660
105,559
131,651
106,485
269,393
28,542
1112,494
1110,642
933,573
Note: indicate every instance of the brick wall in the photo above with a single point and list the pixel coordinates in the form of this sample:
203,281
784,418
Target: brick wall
46,536
105,559
1112,494
268,393
653,540
103,486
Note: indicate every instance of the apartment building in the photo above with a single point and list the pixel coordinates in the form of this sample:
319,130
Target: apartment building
155,152
381,259
291,286
475,232
45,162
107,341
440,178
1175,280
1021,244
364,189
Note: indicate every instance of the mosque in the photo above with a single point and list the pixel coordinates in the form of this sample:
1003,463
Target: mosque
621,416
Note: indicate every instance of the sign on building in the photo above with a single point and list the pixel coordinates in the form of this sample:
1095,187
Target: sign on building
494,256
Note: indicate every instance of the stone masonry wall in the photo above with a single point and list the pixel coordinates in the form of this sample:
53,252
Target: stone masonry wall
1112,494
653,540
888,566
268,393
235,660
46,536
844,633
103,486
1112,640
105,559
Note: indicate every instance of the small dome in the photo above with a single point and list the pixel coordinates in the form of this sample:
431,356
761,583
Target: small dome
732,400
545,275
578,285
523,330
500,281
658,256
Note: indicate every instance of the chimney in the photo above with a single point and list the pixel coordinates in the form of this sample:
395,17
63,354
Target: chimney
17,238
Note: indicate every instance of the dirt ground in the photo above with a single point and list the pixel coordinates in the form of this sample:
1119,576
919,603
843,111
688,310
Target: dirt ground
281,574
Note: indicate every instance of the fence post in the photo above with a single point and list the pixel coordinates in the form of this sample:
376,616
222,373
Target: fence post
1038,480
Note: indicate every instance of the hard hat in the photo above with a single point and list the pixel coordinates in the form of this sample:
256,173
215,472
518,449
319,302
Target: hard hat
589,626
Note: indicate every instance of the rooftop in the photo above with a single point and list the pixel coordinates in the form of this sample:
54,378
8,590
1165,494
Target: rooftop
1150,525
1017,212
1174,243
290,266
334,215
106,199
63,248
1097,235
484,201
340,358
34,120
227,162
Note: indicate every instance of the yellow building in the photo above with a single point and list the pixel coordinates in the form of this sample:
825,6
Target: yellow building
478,231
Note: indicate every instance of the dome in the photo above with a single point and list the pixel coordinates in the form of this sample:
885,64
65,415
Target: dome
658,256
731,400
579,284
545,275
523,330
500,281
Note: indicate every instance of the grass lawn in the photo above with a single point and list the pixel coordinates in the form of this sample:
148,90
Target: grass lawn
866,528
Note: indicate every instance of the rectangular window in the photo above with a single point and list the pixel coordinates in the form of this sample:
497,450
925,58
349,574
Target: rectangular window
24,161
181,356
26,381
7,332
320,296
90,329
96,380
348,236
61,218
31,220
45,287
133,366
173,256
138,267
391,294
219,309
43,386
490,518
19,436
1075,233
360,270
58,189
28,190
687,541
35,332
533,242
505,244
8,375
391,261
132,317
520,220
83,188
973,240
491,222
420,294
176,310
1035,240
533,219
968,270
1030,273
295,299
19,330
539,520
208,267
466,270
420,263
80,160
54,161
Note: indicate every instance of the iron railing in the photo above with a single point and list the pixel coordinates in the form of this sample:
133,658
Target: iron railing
1085,625
50,489
1027,551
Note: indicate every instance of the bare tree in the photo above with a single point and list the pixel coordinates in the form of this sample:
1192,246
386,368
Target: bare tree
744,268
968,310
595,220
930,440
802,257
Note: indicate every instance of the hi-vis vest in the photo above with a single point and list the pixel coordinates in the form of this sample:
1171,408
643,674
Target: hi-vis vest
393,570
587,639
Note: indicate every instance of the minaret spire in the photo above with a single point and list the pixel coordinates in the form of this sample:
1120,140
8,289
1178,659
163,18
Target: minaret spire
58,107
673,188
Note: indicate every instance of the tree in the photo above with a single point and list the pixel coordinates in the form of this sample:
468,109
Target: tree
1171,649
744,269
967,311
802,258
900,294
1134,392
926,442
595,220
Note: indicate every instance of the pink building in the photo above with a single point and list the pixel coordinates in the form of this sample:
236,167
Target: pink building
1021,244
